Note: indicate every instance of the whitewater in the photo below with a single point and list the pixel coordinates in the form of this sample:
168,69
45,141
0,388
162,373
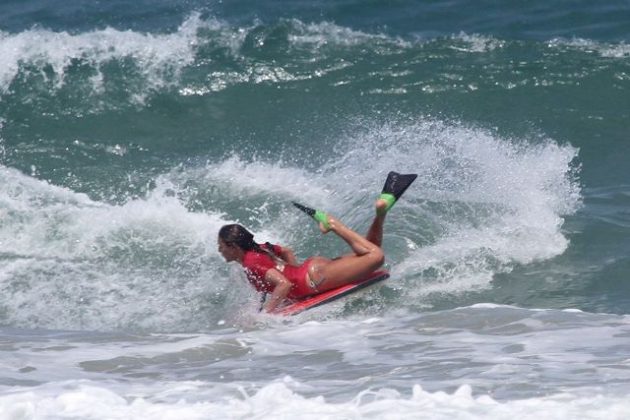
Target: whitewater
130,133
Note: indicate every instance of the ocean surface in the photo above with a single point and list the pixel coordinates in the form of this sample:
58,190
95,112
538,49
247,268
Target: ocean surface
130,131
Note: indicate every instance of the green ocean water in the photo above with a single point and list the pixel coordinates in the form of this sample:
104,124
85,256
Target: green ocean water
130,132
516,125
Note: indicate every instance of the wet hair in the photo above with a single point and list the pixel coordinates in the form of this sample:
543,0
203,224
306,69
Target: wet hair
237,235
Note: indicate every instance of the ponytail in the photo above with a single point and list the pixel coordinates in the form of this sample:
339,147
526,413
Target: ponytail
237,235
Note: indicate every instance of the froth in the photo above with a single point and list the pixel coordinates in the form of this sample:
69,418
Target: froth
2,148
77,263
477,43
159,57
195,400
260,177
158,60
149,263
609,50
326,33
481,203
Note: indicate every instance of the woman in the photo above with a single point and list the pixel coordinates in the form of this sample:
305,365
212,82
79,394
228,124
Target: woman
274,269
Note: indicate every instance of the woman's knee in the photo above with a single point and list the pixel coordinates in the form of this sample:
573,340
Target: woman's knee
377,256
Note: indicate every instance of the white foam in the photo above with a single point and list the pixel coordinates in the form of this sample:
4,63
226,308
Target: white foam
77,263
482,204
309,37
195,400
477,43
217,81
148,263
159,57
327,33
3,152
260,177
490,306
38,208
604,49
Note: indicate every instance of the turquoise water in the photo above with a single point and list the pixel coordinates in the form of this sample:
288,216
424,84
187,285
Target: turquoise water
131,131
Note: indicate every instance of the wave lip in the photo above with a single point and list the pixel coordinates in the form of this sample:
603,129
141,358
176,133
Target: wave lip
206,55
160,58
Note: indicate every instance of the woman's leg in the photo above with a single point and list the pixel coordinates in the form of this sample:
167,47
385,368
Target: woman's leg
375,232
326,274
395,186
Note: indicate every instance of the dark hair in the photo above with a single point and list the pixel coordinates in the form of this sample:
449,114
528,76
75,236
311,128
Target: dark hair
239,236
236,234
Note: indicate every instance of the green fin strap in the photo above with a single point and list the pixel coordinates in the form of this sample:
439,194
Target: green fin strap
389,199
322,217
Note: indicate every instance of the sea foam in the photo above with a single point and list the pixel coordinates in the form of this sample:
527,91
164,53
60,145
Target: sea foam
159,57
195,400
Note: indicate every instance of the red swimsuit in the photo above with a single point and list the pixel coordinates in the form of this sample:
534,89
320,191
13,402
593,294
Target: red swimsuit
257,264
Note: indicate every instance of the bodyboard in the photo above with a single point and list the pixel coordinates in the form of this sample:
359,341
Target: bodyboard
328,296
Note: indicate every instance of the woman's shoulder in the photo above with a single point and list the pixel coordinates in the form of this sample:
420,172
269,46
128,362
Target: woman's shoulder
253,258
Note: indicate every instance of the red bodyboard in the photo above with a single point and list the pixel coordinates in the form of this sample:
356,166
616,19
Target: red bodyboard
330,295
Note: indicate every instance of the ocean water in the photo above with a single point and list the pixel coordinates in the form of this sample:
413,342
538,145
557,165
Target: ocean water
131,131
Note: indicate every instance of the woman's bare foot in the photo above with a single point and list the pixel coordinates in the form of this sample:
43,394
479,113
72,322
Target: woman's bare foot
381,207
331,221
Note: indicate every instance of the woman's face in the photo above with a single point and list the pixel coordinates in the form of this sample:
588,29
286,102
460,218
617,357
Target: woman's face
228,251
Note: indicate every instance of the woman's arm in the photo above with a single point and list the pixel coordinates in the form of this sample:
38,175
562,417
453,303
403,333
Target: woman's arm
281,290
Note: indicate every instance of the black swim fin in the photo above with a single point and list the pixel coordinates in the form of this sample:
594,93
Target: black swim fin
395,186
318,215
307,210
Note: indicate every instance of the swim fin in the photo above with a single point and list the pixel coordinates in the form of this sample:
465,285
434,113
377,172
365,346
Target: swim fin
395,186
318,215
